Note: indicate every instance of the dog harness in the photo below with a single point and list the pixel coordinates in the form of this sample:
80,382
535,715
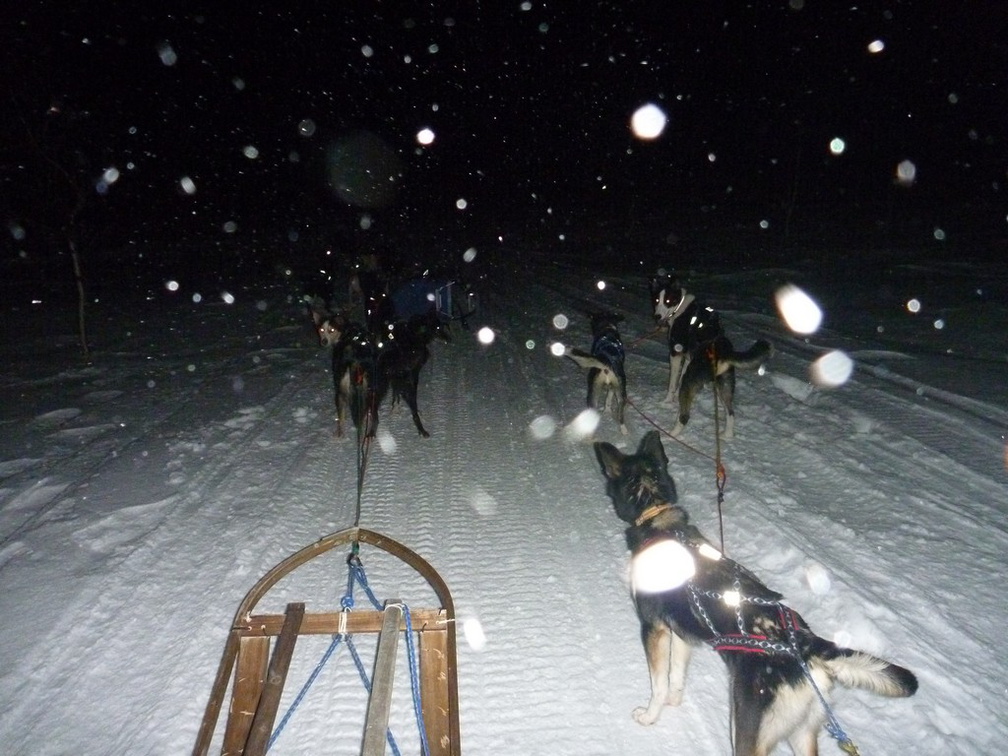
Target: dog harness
730,593
743,641
608,347
693,326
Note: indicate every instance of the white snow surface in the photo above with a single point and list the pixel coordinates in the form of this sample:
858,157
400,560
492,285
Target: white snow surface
143,495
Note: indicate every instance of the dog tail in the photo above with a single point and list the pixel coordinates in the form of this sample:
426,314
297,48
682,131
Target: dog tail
584,359
857,669
751,358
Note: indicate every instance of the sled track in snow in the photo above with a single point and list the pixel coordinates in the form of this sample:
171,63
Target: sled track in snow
967,431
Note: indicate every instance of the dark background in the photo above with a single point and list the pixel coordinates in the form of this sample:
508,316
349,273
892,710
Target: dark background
530,104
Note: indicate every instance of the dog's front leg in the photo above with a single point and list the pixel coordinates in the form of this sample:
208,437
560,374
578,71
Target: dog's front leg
657,647
676,360
681,652
342,392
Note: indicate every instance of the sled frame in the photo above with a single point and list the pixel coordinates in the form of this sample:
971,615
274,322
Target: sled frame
259,679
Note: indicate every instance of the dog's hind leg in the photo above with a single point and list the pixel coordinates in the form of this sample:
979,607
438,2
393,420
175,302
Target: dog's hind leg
725,384
805,741
616,403
766,711
657,641
363,407
409,392
687,393
795,715
593,374
747,713
617,393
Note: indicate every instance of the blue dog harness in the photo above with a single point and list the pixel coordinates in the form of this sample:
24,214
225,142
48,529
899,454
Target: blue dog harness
608,348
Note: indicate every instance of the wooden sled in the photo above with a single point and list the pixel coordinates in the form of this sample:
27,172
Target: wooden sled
259,676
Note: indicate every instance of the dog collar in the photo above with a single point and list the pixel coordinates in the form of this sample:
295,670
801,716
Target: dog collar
651,512
674,312
682,298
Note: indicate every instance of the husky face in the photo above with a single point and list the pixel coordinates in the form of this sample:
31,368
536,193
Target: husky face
666,295
330,331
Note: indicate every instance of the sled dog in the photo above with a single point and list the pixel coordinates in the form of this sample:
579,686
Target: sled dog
689,324
605,364
699,352
401,356
355,379
772,655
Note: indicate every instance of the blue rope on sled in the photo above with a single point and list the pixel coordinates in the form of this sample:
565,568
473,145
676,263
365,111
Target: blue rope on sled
356,575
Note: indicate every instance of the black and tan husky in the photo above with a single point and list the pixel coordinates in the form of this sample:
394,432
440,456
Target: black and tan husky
699,352
605,364
771,653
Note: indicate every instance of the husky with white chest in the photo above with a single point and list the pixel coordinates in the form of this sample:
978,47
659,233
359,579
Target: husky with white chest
698,596
354,366
699,352
605,364
356,379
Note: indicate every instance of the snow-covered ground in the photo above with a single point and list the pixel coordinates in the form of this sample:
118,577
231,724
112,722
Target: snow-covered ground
141,496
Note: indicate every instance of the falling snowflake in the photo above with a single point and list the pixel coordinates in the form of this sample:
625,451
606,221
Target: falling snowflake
648,122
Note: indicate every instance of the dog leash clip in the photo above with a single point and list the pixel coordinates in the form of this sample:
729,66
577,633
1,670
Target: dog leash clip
353,558
722,478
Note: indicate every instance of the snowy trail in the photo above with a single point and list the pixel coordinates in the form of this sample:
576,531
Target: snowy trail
877,513
110,618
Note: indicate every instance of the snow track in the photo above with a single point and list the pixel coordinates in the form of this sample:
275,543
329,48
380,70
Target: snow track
873,508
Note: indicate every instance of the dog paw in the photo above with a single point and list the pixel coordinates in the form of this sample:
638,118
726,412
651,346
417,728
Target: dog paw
643,715
679,427
674,698
623,429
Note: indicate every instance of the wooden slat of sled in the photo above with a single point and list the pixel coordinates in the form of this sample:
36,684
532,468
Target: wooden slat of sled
435,692
276,676
249,677
376,720
328,623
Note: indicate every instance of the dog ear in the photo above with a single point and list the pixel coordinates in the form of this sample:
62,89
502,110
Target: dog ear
651,446
610,458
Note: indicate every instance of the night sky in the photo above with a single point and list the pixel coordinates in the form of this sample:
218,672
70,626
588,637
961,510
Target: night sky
242,124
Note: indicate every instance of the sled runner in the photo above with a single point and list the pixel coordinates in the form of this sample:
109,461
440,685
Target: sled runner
259,674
